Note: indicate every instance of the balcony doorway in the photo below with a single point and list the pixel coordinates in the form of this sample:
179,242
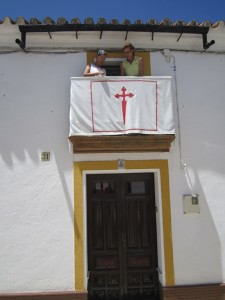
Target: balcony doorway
114,59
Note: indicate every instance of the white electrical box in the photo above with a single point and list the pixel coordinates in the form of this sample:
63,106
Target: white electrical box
191,204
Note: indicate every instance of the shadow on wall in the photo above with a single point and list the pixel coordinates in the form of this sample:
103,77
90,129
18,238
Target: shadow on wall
199,247
34,116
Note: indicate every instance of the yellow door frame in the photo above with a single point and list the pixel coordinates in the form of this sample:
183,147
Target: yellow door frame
79,169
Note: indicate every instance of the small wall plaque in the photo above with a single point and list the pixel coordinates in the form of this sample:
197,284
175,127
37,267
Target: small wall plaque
121,164
45,156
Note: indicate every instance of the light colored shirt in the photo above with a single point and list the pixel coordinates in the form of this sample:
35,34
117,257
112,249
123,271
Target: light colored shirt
131,69
95,69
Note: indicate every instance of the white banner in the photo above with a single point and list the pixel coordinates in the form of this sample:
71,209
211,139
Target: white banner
121,105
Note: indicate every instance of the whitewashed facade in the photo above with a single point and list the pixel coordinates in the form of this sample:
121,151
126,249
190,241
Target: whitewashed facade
37,250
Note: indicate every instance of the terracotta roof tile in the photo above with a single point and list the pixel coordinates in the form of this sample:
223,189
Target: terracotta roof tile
126,22
219,23
61,21
35,21
75,21
101,21
114,22
8,20
152,22
166,22
205,24
89,20
21,21
138,22
179,23
192,23
48,21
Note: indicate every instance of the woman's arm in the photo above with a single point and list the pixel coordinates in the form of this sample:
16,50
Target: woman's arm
141,67
87,71
122,71
88,74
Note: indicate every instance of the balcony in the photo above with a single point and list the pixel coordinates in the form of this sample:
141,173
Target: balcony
121,114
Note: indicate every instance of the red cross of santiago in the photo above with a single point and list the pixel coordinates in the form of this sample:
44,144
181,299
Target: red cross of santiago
124,101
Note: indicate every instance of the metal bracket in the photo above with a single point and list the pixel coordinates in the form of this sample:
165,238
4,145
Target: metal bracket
22,42
206,45
24,29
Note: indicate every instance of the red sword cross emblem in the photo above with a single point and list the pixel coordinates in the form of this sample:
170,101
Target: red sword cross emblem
124,101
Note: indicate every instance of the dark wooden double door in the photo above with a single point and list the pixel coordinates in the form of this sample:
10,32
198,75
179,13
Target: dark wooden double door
122,251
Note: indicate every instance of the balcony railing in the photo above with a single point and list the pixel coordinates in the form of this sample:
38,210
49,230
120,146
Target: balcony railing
121,114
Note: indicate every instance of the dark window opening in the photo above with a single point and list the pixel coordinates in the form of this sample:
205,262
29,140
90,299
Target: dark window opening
112,70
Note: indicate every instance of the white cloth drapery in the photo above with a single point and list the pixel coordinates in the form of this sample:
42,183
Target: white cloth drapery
121,105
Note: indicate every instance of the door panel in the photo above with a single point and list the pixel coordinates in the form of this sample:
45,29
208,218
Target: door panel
122,256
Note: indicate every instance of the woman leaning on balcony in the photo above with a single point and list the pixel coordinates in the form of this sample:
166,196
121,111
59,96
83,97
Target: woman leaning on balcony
96,69
133,65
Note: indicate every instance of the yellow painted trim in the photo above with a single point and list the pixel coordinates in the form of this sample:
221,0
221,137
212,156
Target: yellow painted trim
145,55
79,168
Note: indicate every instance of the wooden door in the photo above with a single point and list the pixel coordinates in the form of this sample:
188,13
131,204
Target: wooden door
122,250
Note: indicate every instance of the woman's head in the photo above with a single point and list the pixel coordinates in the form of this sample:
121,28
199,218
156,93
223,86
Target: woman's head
100,57
128,45
128,50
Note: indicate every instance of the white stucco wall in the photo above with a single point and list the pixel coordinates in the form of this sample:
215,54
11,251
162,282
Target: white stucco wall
199,240
36,198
